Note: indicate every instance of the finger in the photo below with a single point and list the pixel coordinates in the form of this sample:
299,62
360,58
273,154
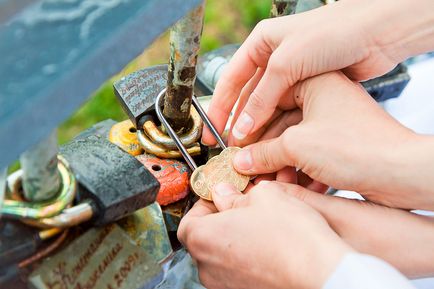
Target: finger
225,195
287,175
305,181
252,54
268,156
200,209
265,177
280,124
263,101
254,137
246,92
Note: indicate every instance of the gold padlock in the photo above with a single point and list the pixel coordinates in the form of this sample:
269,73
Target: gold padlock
124,135
188,139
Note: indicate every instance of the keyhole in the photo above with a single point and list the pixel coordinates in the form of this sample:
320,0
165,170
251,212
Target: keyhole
156,168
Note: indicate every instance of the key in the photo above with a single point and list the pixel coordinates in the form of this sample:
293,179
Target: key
217,169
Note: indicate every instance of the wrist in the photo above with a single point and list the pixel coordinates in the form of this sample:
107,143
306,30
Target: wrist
401,28
324,260
412,172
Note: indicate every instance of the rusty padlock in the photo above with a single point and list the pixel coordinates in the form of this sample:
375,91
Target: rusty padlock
172,175
137,93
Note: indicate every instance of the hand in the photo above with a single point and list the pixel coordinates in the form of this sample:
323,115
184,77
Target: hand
347,141
399,237
363,38
265,239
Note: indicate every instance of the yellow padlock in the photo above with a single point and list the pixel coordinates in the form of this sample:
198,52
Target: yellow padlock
124,135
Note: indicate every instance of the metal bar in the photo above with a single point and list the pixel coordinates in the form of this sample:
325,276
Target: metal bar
3,184
54,54
283,7
41,179
208,123
184,48
158,103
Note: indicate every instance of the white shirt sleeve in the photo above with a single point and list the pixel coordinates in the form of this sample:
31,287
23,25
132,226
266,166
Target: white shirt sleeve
358,271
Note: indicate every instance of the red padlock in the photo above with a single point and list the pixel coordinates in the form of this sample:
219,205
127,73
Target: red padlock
173,176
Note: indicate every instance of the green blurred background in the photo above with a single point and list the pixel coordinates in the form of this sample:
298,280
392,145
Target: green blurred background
226,21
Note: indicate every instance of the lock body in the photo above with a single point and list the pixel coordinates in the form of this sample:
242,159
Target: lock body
114,181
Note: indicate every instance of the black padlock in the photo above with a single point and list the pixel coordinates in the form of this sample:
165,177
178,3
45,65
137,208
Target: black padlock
137,91
113,183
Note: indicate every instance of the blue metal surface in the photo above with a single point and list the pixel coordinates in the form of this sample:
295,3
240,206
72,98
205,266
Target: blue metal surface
54,53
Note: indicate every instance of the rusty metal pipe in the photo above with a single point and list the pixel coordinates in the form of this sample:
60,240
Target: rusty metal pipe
184,48
282,8
41,179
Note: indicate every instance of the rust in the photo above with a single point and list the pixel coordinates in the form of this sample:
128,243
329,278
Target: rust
283,7
184,49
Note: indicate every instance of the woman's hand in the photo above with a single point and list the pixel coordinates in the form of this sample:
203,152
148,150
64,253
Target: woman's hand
347,141
265,239
363,38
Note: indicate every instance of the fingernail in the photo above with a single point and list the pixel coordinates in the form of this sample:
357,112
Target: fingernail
224,189
243,160
243,126
205,143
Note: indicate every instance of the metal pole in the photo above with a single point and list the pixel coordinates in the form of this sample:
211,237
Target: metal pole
282,8
41,179
3,183
184,48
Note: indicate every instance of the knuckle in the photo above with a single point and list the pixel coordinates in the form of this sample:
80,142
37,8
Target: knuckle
190,234
298,192
256,193
256,101
206,278
239,202
265,159
262,25
277,65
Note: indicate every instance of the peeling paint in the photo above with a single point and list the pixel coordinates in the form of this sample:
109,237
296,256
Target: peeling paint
184,48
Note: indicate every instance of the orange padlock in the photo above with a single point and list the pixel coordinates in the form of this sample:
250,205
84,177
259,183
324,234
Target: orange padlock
124,135
173,177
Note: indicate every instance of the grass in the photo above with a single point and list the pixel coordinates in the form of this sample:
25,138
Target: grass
226,22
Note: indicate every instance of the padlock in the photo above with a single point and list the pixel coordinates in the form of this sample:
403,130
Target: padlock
100,258
173,177
147,228
138,90
112,183
137,93
37,210
124,135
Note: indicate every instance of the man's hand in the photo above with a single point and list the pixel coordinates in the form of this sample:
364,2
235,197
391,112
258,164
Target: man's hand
363,38
399,237
345,140
265,239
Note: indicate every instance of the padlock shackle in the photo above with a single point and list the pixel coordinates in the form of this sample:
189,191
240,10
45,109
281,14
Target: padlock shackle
158,103
191,163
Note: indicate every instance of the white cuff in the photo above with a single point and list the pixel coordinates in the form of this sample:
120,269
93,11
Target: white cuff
358,271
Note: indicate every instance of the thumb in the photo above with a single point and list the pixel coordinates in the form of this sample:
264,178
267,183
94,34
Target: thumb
225,195
267,156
